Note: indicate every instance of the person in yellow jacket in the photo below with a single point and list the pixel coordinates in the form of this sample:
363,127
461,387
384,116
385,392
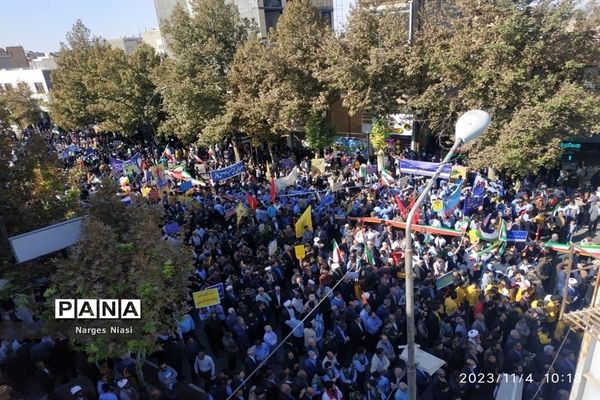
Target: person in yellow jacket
544,336
450,304
551,311
472,293
461,293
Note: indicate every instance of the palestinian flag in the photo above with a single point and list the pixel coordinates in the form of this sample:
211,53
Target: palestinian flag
337,253
487,231
369,255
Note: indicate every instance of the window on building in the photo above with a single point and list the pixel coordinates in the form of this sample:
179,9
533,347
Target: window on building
8,87
39,88
271,18
273,5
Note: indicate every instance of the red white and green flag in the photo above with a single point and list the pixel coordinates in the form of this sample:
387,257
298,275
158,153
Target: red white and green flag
386,177
337,253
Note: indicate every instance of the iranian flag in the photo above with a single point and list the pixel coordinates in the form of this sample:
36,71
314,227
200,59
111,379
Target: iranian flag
168,154
337,253
386,177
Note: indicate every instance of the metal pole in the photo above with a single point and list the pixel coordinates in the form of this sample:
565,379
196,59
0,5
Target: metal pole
413,19
565,292
408,278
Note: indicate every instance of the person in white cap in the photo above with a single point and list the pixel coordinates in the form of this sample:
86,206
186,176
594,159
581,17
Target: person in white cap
126,391
77,393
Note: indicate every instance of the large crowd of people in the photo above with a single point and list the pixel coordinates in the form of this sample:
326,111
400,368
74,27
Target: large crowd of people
327,320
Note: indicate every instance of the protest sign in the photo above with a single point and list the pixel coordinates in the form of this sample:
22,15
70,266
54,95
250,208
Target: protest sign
444,280
206,298
300,252
227,172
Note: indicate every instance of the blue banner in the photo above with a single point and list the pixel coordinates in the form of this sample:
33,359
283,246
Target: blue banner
475,200
126,167
227,172
453,199
220,288
423,168
185,186
516,236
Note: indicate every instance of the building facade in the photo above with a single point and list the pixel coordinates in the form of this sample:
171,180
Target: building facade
47,62
265,13
154,38
13,57
38,81
128,43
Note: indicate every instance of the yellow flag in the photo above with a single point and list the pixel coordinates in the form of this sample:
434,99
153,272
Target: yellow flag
318,165
300,252
473,238
304,220
241,212
146,191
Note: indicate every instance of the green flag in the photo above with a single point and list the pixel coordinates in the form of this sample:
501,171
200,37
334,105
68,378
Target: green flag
369,255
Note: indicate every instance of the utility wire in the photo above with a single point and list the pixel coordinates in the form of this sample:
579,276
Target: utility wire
289,335
552,364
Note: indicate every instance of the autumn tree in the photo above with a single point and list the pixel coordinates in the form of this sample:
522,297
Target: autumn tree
121,255
521,62
275,84
33,186
367,64
203,44
71,100
19,107
98,84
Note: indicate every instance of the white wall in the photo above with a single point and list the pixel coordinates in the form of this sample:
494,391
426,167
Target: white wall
29,76
47,62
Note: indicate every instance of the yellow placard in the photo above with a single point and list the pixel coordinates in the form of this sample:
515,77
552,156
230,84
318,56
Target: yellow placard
458,171
318,165
300,252
206,298
437,205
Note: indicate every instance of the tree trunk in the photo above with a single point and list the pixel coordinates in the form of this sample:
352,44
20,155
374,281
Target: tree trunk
270,147
140,359
236,150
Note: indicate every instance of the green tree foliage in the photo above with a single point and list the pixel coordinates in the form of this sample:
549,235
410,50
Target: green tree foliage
70,98
98,84
121,255
275,85
18,107
366,65
195,79
380,131
319,135
33,187
522,63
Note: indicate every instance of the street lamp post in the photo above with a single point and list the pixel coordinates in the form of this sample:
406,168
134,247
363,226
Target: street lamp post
468,127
